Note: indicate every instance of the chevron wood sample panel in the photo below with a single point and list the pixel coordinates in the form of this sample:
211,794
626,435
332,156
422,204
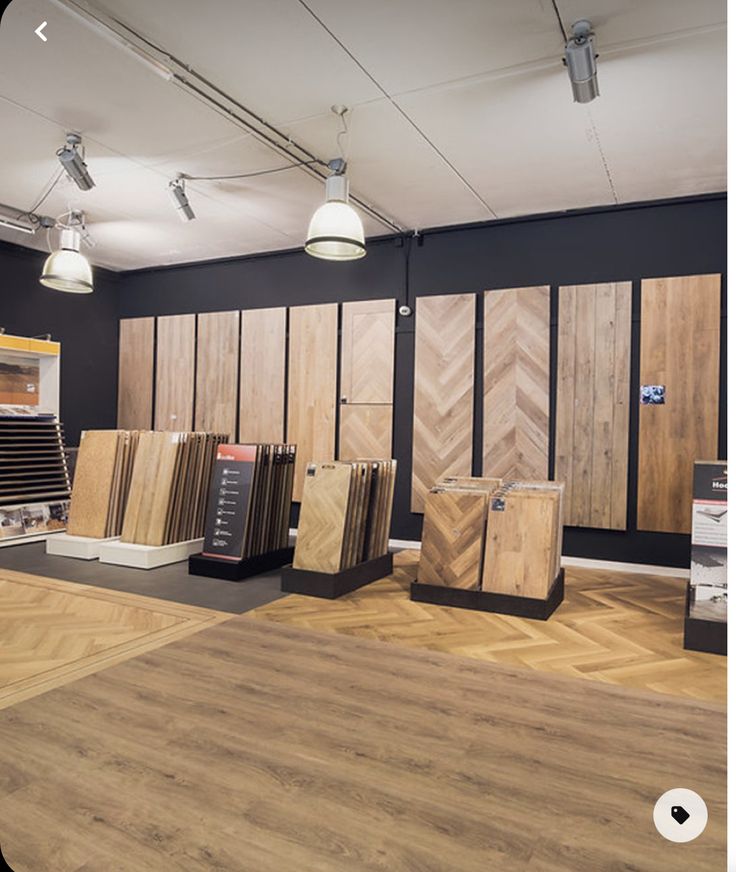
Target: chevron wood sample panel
516,383
218,350
365,431
312,386
135,373
444,362
453,537
680,337
175,341
367,367
323,517
593,391
262,375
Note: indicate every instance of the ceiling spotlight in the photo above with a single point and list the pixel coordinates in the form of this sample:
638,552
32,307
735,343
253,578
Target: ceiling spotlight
73,162
180,200
580,61
336,231
66,269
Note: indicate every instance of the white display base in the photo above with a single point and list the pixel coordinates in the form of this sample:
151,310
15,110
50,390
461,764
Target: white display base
26,540
81,547
148,556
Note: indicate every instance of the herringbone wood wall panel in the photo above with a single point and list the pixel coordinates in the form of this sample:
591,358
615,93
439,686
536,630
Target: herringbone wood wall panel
593,391
453,537
217,372
516,383
312,386
680,334
135,373
322,522
444,363
175,338
262,375
367,369
365,431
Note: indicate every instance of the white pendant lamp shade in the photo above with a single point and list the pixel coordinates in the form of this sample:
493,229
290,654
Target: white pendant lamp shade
66,269
336,231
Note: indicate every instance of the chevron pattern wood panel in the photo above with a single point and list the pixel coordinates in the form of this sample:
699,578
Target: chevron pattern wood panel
135,373
453,538
680,340
444,364
367,368
323,518
365,431
312,386
262,375
175,340
516,383
593,391
216,400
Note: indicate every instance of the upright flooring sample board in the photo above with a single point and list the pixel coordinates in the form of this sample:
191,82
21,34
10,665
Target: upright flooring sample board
135,373
262,375
444,360
680,337
516,383
367,379
312,386
175,339
593,390
217,372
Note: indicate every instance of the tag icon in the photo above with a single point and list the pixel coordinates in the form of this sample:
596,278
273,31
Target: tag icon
679,814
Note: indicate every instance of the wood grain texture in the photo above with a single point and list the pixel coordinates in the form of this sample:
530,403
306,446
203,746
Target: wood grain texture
680,337
175,350
367,366
444,362
453,537
593,391
262,375
93,483
365,431
516,383
312,386
191,757
323,519
216,400
135,373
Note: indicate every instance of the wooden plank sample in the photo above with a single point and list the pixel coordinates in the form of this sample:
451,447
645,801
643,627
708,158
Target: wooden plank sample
93,480
593,390
680,338
444,363
217,372
453,537
262,375
175,339
367,366
323,517
516,383
312,386
365,431
135,373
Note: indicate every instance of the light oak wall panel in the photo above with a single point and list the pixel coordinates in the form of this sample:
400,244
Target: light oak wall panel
444,358
262,375
217,372
311,416
175,341
516,383
135,373
593,392
365,431
680,338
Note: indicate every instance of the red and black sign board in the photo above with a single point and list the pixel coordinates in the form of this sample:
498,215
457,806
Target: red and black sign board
229,501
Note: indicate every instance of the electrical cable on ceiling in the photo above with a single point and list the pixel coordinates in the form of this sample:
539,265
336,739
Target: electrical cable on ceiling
252,175
559,21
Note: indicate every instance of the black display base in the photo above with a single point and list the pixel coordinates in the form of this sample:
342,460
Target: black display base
484,601
710,637
239,570
328,586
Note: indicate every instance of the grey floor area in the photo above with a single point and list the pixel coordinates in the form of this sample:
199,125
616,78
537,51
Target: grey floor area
167,582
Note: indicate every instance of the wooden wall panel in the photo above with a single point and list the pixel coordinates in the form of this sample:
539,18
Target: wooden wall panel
217,372
444,361
593,391
262,375
135,374
680,336
175,339
516,383
312,386
365,431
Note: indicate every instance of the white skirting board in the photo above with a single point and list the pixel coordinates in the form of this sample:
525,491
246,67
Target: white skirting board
81,547
148,556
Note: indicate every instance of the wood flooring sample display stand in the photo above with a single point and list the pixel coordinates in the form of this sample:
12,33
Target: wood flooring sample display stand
239,570
333,585
79,547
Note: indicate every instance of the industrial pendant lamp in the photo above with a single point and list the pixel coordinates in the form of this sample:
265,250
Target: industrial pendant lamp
66,269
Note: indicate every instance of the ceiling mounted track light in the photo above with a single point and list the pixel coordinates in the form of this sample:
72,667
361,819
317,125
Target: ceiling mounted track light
72,160
67,269
580,59
180,200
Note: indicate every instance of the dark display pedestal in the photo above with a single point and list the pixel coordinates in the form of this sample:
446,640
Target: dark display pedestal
332,586
711,637
484,601
239,570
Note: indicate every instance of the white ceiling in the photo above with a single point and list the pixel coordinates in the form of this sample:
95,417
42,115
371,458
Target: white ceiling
460,111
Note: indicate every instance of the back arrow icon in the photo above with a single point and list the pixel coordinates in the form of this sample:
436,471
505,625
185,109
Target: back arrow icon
39,31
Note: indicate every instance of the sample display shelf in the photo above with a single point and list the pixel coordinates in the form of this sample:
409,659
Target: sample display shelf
79,547
147,556
239,570
331,585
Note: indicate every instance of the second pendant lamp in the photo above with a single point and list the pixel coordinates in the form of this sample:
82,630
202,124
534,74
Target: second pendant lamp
67,269
336,231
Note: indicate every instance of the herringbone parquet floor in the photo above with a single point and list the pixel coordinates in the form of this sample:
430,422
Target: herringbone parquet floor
615,627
